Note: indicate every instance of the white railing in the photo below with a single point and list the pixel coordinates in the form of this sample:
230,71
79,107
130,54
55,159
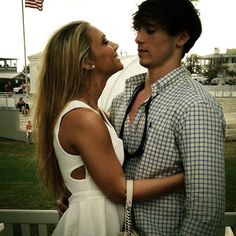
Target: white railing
7,100
222,91
43,219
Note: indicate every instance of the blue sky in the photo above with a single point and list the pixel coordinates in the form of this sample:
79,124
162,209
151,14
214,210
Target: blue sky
111,16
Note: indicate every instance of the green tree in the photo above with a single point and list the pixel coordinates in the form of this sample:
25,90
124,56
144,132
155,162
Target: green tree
231,73
192,63
28,69
214,70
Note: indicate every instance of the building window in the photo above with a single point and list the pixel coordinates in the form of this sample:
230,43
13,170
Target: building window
233,59
225,60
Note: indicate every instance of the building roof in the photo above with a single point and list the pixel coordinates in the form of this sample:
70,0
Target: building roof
8,58
35,56
9,75
229,53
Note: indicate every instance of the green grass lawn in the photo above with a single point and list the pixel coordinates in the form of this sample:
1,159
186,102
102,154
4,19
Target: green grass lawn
20,188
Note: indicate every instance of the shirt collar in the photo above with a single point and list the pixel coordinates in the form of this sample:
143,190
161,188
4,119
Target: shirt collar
169,79
132,83
160,85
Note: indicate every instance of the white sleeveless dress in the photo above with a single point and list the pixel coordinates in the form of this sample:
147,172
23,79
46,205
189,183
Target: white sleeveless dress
90,212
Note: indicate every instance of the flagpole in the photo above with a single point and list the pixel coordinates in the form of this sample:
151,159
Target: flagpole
25,62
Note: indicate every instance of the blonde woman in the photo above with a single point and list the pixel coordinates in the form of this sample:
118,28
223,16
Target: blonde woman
77,147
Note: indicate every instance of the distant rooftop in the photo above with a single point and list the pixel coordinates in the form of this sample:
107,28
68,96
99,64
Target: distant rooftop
7,58
8,75
229,53
8,65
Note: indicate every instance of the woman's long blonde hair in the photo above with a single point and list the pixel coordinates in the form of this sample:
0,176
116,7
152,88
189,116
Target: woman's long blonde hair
61,79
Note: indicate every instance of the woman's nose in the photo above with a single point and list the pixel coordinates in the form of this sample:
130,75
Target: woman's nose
115,45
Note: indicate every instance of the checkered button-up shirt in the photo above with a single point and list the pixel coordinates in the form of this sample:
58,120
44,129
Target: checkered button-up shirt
186,129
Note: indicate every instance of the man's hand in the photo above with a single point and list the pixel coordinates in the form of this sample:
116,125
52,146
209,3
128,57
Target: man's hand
62,204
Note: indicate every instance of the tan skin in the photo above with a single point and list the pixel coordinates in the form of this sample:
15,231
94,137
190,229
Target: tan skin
80,129
158,52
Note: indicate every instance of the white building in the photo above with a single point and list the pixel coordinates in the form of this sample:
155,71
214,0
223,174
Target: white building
34,70
228,59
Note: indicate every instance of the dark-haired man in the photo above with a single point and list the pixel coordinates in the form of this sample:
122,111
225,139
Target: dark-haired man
170,123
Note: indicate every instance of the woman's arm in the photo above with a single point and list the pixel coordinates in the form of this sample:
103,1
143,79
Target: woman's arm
163,186
83,131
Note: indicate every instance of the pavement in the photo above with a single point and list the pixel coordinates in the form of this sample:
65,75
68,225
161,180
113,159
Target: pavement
230,118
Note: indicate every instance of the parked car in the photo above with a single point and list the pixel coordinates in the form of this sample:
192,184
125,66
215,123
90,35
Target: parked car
200,78
22,88
230,81
220,80
18,89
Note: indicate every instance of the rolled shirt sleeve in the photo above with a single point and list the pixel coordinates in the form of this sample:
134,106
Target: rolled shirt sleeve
201,142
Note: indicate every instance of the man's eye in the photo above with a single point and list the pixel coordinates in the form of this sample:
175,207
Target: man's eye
150,31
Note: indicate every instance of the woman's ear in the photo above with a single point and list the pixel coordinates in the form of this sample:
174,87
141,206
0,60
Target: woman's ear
88,65
183,38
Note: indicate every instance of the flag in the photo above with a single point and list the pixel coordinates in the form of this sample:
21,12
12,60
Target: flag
38,4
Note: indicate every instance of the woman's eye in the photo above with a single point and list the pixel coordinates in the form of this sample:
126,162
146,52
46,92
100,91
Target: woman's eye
105,41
